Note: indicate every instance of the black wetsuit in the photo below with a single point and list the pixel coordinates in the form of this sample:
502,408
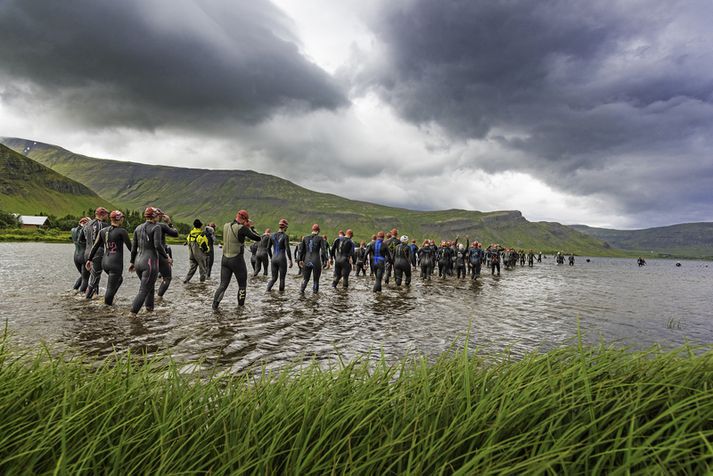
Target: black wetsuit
80,248
402,263
343,252
145,253
253,258
475,258
379,255
233,262
91,231
531,259
315,255
112,239
426,258
164,267
494,261
444,260
210,256
391,243
360,259
280,254
263,255
414,254
459,259
298,257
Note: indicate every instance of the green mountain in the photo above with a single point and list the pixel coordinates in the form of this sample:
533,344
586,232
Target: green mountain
688,240
28,187
218,194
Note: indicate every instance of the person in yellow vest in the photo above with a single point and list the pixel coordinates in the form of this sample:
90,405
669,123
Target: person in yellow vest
197,251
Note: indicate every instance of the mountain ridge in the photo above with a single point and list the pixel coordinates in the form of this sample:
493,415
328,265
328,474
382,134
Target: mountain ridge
188,193
28,187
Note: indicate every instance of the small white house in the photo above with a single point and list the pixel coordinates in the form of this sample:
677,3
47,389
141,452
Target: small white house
27,221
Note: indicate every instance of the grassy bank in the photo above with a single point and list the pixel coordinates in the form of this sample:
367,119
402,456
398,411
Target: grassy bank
574,410
51,235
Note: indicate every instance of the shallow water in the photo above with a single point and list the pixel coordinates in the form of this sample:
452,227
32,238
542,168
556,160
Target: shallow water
524,309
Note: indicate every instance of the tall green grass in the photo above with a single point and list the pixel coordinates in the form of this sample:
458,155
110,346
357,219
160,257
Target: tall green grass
573,410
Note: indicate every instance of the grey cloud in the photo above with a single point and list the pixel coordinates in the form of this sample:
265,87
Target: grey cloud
600,98
137,64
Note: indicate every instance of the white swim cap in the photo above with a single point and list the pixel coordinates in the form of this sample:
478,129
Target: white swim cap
404,239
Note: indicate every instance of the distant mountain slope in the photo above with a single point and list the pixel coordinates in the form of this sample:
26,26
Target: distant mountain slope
218,194
693,240
28,187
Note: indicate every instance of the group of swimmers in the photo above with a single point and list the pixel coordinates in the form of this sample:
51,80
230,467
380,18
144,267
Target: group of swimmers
99,248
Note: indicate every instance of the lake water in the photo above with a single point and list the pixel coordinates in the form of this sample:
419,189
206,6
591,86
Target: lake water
522,310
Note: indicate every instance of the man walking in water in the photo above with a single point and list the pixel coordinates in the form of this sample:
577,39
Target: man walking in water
80,248
197,250
91,232
379,255
343,253
233,263
145,251
280,254
112,240
314,258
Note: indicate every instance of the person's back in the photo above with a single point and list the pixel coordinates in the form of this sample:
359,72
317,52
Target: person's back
197,250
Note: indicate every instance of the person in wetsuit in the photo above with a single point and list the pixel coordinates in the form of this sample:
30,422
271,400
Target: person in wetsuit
91,232
392,241
145,252
460,257
197,251
403,255
360,258
414,254
531,258
298,255
494,258
475,258
165,265
315,256
80,248
112,239
263,254
571,259
426,259
443,257
233,262
379,254
210,256
343,254
371,262
280,255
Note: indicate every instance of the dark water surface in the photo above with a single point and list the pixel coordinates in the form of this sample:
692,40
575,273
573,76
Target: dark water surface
524,309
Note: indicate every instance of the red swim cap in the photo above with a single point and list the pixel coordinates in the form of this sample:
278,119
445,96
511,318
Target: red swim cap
349,233
315,227
283,223
116,215
101,211
243,216
150,212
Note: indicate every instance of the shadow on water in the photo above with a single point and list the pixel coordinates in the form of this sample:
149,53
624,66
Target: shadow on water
522,309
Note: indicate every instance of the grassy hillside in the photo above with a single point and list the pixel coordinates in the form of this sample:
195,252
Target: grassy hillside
28,187
688,240
218,194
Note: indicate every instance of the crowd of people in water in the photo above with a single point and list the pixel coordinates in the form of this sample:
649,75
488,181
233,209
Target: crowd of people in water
99,244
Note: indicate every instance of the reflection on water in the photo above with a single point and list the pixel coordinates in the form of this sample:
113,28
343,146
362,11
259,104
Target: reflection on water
524,309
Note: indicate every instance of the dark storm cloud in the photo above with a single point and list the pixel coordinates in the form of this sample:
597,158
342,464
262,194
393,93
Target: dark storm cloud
149,64
610,98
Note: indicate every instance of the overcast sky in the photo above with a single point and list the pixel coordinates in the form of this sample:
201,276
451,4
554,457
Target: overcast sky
595,112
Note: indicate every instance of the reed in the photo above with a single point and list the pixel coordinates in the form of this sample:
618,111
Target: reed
576,409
